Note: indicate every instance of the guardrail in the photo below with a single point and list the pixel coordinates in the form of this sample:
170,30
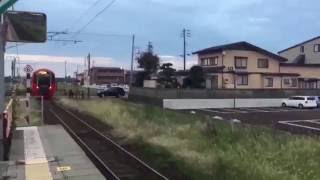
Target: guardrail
7,117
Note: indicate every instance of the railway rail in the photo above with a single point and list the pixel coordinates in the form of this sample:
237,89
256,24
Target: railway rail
113,161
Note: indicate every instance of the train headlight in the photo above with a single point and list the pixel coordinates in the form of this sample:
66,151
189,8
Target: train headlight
37,87
50,87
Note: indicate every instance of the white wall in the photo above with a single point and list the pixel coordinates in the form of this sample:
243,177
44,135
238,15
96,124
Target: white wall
149,83
219,103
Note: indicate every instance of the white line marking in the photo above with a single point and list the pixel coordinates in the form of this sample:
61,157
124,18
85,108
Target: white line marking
314,122
257,110
209,110
301,126
290,121
34,154
235,110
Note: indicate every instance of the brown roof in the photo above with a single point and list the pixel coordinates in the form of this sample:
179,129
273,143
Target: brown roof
299,65
245,46
318,37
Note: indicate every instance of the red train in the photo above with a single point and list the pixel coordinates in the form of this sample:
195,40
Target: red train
43,83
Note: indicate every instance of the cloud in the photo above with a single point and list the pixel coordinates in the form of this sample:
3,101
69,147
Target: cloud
57,63
259,19
178,61
74,63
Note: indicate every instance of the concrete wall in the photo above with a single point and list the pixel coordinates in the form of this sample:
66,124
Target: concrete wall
150,83
197,103
220,93
219,103
311,56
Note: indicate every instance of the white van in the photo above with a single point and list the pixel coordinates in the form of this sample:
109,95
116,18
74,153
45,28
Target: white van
300,102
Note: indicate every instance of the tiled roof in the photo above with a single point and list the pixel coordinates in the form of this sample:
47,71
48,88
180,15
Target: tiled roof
245,46
318,37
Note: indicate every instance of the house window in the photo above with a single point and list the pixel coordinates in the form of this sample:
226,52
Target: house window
241,62
317,48
302,49
263,63
269,82
213,61
286,81
242,80
294,82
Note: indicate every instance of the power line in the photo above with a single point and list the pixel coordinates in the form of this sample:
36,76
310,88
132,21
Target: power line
102,34
94,17
83,15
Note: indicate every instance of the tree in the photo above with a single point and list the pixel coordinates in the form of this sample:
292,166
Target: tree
195,79
149,62
166,75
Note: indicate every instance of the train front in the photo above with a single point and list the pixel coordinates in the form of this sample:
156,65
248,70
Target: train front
43,83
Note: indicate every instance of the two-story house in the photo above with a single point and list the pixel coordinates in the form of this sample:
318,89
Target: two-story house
305,59
242,65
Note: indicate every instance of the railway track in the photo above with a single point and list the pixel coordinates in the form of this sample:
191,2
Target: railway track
113,161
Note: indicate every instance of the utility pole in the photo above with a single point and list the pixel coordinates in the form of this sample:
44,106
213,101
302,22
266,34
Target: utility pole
150,47
88,77
132,58
65,75
185,34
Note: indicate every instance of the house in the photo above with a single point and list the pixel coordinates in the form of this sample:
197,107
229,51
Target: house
106,75
242,65
305,59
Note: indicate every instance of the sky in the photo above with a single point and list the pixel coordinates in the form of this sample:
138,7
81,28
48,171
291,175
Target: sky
271,24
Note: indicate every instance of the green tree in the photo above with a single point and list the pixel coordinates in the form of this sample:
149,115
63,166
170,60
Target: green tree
195,79
149,62
167,75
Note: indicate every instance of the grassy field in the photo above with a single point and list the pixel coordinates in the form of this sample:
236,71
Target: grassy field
203,150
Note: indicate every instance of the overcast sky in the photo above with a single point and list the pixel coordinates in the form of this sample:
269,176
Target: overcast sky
270,24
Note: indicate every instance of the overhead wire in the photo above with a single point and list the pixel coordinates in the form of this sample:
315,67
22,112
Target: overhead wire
83,15
94,17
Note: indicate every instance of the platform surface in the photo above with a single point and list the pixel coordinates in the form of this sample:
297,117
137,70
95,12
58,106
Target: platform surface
46,153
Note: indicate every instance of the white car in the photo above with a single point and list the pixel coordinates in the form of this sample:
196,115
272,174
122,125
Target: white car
300,102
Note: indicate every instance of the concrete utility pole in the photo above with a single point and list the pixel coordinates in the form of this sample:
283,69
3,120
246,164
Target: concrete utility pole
185,34
88,77
65,75
132,59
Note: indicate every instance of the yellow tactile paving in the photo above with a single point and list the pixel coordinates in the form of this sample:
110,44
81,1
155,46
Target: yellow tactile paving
38,172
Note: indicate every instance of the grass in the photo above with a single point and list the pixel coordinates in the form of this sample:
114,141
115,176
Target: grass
203,150
21,112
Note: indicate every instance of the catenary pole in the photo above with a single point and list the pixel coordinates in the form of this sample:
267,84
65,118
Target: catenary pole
132,59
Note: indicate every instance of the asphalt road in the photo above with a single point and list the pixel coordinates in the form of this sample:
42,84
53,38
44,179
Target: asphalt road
264,116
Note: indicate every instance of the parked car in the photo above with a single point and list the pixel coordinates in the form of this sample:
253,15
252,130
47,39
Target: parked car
318,100
300,102
113,91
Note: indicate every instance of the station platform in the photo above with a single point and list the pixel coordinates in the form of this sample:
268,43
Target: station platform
46,153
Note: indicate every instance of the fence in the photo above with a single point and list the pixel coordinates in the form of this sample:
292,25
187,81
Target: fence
215,98
220,93
7,117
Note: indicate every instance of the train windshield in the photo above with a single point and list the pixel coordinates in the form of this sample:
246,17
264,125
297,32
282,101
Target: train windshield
43,78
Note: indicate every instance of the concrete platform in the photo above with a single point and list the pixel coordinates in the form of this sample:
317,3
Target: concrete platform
46,153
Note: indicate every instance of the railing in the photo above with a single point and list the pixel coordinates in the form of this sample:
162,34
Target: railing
7,117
